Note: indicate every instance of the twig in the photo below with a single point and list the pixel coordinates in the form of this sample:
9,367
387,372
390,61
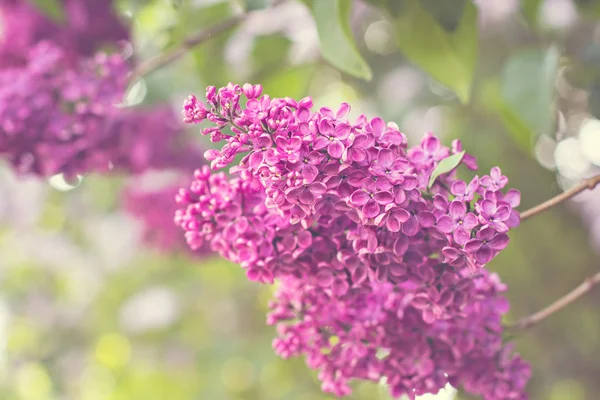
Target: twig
544,313
197,39
586,184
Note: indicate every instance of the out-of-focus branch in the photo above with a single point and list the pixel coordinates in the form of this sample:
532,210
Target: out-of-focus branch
188,43
586,184
567,299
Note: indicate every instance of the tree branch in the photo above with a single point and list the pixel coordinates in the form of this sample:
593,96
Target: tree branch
567,299
586,184
188,43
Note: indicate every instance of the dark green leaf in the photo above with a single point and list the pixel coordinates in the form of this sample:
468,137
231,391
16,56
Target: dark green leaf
335,36
449,57
51,8
445,166
527,87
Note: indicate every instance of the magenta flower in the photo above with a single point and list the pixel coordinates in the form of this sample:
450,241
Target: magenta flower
340,214
332,137
494,215
486,245
458,222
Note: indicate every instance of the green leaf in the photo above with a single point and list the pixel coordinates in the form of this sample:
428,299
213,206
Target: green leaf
53,9
335,36
269,52
292,82
445,166
531,10
252,5
449,57
447,13
527,87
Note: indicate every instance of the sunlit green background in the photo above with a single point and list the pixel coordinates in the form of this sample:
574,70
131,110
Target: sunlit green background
87,312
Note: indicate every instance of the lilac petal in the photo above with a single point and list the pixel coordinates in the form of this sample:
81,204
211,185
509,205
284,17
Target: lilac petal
499,242
514,220
461,235
486,233
263,142
342,131
421,301
378,126
383,198
411,226
484,255
400,164
401,245
356,178
430,144
458,188
336,149
325,127
495,173
445,224
426,219
304,239
440,202
488,207
450,252
357,154
486,181
309,173
470,221
343,111
256,159
399,194
381,219
359,274
457,209
385,158
325,278
502,213
359,197
307,197
446,298
317,187
371,209
473,245
339,287
410,182
315,157
500,227
513,198
401,214
320,142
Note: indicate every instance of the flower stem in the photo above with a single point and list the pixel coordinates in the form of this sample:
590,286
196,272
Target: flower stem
562,302
194,40
586,184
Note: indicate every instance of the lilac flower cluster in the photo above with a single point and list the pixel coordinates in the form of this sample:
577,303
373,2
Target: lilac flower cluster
88,26
59,102
369,255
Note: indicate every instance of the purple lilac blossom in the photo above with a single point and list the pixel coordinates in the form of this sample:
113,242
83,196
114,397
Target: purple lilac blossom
59,98
88,26
340,212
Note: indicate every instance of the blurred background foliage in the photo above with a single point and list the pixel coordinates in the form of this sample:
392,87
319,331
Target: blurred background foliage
87,312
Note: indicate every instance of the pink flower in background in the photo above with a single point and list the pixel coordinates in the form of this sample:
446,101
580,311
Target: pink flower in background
154,209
